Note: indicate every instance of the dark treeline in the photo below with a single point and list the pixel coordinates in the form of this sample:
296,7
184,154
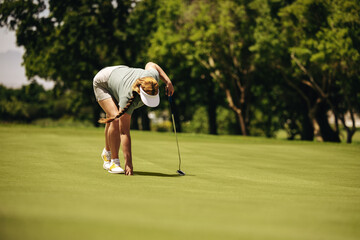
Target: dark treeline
32,102
239,67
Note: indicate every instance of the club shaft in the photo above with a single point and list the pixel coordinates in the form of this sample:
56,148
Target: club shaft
177,143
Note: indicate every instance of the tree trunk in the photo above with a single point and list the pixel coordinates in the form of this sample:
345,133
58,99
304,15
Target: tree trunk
211,108
135,120
96,114
307,132
212,118
312,118
238,112
176,117
317,131
237,129
350,131
327,133
242,122
145,121
349,135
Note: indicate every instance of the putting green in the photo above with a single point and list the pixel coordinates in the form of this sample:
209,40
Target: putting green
52,186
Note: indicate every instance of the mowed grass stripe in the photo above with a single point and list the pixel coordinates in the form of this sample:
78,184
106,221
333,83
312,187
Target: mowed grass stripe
52,184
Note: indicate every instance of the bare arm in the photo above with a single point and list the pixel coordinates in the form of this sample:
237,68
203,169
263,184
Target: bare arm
125,121
163,77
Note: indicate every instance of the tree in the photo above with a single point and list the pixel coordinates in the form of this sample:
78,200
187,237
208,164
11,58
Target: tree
281,99
76,39
221,34
212,38
194,87
312,47
325,59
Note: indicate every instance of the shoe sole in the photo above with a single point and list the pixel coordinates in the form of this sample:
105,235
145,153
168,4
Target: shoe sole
116,172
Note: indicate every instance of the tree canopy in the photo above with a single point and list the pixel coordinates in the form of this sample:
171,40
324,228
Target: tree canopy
269,64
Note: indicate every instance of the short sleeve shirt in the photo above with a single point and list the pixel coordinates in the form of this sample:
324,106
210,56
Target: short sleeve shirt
121,81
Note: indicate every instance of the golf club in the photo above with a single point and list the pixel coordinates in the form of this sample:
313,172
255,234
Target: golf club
177,143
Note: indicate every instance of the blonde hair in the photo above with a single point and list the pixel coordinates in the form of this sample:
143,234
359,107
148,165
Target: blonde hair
148,85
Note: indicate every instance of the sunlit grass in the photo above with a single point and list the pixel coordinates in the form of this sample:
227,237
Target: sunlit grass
52,186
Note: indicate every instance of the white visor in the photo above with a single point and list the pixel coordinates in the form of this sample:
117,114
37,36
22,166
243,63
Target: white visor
149,100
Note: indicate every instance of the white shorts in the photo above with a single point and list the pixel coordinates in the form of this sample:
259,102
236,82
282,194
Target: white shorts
100,83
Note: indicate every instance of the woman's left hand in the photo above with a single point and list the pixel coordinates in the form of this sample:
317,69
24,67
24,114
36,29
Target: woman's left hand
128,169
169,89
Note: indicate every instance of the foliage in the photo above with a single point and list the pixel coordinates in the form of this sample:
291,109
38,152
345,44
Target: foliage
274,64
219,34
325,57
33,102
199,122
225,118
165,126
226,121
312,48
76,39
174,49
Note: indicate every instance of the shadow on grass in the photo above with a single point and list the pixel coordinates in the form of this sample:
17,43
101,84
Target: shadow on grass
155,174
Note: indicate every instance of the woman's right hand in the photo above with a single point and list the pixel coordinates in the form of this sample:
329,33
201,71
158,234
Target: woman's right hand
169,89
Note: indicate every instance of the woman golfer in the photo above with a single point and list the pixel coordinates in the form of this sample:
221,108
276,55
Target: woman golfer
131,88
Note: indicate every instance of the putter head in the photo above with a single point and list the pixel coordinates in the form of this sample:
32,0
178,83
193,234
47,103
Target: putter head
180,172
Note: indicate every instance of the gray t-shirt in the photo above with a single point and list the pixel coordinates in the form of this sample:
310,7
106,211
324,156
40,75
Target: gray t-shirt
121,81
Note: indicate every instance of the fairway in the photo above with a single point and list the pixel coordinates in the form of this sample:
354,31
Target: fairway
52,186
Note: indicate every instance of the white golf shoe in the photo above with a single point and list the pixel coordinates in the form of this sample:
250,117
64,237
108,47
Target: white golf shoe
115,166
106,157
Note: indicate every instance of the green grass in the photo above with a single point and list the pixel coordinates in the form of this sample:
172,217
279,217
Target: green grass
52,186
281,134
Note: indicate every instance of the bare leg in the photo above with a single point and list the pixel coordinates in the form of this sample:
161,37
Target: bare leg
125,121
107,140
112,133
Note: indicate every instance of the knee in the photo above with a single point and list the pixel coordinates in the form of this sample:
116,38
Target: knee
124,131
115,122
111,114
